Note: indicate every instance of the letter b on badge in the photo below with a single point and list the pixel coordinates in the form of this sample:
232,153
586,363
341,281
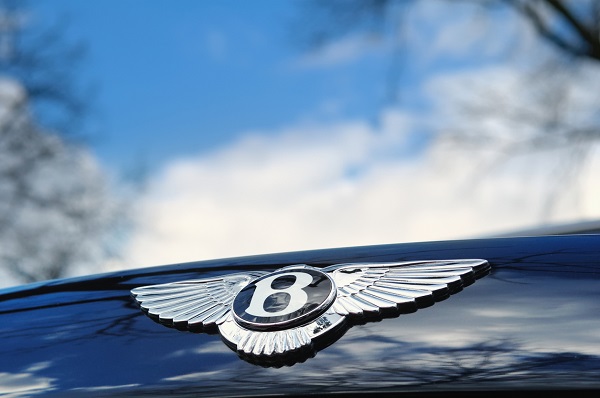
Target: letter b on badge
283,299
264,289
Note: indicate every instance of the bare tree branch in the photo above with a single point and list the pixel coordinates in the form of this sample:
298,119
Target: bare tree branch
585,33
544,122
56,211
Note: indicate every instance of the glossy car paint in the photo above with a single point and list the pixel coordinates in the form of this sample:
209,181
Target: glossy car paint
532,324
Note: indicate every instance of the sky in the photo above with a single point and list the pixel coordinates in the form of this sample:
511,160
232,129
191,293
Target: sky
179,78
250,143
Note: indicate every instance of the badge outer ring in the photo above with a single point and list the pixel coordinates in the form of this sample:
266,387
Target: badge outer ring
298,321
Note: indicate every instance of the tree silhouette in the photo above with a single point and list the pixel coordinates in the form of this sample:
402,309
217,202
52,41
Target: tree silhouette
55,205
540,110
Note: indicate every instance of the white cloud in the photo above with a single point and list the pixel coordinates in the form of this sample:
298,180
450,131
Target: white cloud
428,32
340,184
341,51
12,96
472,32
26,383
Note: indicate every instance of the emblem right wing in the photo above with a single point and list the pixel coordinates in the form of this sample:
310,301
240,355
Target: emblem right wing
374,289
193,304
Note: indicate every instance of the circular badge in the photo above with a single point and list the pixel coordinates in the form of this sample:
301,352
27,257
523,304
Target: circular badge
284,299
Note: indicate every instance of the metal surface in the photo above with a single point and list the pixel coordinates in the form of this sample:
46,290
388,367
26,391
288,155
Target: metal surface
194,304
283,313
532,324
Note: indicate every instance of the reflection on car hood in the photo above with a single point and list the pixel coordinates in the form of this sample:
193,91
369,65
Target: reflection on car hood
532,324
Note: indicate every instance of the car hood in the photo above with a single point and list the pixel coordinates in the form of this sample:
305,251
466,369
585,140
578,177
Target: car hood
531,324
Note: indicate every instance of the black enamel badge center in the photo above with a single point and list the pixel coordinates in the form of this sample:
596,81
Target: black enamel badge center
284,299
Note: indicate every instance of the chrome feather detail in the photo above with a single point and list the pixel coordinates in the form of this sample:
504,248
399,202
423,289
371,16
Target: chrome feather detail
277,343
272,315
373,289
193,304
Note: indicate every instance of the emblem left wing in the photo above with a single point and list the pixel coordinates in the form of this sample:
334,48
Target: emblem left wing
194,304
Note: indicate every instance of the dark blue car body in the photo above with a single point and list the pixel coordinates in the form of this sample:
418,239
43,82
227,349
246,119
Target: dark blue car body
532,324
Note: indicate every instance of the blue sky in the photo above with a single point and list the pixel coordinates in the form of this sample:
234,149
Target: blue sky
253,145
178,78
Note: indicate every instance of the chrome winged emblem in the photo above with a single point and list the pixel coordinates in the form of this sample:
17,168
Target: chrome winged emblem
295,310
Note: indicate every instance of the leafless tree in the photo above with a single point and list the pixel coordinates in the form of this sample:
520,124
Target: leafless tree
549,120
55,206
573,27
39,57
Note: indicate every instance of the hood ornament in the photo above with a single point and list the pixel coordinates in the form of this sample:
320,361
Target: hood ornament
285,316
